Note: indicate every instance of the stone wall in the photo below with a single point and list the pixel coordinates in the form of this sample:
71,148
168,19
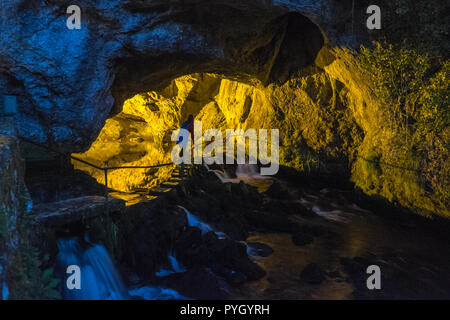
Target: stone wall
13,202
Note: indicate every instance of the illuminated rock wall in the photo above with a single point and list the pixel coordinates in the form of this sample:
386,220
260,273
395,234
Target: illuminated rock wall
329,122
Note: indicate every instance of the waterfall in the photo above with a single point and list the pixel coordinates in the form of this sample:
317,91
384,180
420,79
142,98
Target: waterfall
247,173
222,175
175,264
5,292
156,293
333,215
99,277
175,267
193,221
243,172
247,170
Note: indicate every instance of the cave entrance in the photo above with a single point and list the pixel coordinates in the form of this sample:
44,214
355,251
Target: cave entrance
141,134
237,94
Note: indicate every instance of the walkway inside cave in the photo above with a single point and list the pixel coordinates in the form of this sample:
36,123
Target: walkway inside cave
313,241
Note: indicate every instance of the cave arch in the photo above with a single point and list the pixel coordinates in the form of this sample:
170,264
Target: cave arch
286,47
292,44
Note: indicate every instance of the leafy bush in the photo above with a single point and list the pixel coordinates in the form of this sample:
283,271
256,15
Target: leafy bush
404,80
398,75
29,275
29,280
413,91
434,114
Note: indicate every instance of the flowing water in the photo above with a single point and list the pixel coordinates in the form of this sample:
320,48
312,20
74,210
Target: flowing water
175,267
247,173
99,277
193,221
414,262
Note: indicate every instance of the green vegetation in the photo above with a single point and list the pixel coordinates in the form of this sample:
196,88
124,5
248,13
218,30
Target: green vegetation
29,279
412,94
434,114
405,154
29,275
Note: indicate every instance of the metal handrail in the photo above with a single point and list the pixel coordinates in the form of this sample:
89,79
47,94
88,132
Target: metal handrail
104,169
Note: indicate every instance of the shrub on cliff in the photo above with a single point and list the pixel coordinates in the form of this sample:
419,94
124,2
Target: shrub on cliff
413,91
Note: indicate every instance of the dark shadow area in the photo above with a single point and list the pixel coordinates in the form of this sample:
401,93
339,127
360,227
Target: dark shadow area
301,45
56,180
284,47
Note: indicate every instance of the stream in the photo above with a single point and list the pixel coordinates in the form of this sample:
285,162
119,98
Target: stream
414,262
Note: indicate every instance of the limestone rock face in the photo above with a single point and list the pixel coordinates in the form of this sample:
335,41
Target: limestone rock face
13,202
70,81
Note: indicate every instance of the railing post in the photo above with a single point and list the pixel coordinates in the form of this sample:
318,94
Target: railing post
105,170
106,183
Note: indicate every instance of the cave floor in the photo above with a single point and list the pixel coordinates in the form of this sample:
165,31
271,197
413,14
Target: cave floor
322,241
413,257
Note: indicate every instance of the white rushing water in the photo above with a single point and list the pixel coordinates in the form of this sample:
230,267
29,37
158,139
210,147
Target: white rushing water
5,292
193,221
100,279
4,289
244,172
156,293
247,173
175,267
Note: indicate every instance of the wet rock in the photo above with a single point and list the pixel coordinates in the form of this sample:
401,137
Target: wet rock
215,205
230,254
236,279
313,230
305,212
281,208
167,224
301,239
13,202
232,277
313,274
259,249
197,283
269,221
190,248
76,209
335,276
276,191
234,227
402,277
144,254
250,269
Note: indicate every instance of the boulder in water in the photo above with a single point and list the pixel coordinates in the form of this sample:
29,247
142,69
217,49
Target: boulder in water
197,283
301,239
258,249
190,249
276,191
313,274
